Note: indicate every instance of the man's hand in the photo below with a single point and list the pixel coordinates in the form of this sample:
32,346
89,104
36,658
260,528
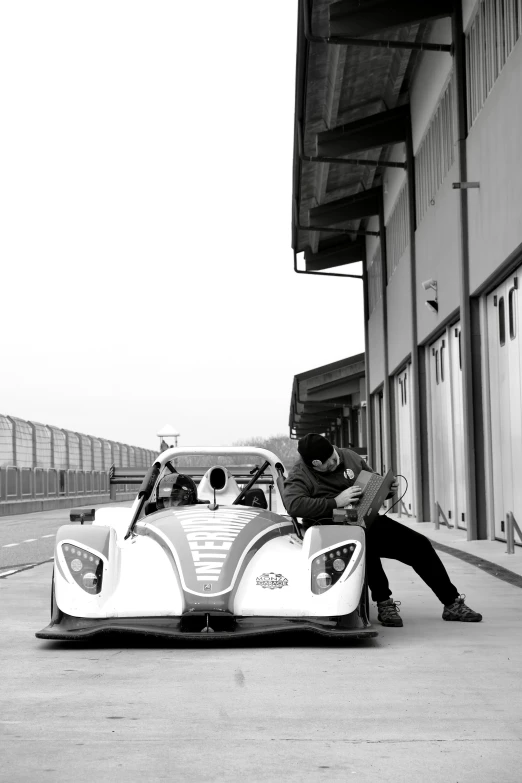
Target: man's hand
348,496
394,487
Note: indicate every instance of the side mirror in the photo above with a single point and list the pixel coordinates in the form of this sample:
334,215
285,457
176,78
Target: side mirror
82,515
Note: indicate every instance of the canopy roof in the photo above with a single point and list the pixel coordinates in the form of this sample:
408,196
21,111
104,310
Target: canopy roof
355,60
322,395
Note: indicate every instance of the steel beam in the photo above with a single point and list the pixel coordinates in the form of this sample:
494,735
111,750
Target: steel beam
360,205
464,274
347,161
346,231
369,417
353,18
341,40
386,401
377,130
415,374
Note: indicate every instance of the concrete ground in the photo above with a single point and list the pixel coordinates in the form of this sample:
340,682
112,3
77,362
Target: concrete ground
430,702
455,538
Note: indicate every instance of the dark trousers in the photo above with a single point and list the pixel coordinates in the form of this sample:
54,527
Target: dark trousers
387,538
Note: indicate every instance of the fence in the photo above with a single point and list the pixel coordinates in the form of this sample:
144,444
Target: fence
39,462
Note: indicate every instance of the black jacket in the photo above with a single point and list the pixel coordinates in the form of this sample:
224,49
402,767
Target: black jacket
311,494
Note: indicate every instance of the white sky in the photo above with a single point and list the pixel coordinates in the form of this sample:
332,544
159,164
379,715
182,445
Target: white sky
145,213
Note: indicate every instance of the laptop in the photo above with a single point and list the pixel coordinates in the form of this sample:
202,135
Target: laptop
375,490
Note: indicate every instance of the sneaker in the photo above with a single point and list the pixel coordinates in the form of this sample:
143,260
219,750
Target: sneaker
389,613
459,611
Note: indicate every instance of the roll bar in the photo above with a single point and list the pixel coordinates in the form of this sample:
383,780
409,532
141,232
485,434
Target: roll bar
270,461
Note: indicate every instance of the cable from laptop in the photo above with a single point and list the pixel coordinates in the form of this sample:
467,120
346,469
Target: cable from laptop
399,475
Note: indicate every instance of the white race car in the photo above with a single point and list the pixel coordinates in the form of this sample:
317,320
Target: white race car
216,561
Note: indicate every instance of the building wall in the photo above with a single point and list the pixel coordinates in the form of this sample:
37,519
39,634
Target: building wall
468,10
372,242
393,180
376,363
399,307
431,76
495,160
437,241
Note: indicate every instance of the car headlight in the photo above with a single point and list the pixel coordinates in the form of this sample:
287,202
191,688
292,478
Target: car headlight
86,568
328,567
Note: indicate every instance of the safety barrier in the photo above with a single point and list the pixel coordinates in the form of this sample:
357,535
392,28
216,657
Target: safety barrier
45,467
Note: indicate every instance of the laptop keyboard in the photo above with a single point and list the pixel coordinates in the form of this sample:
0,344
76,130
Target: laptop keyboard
369,493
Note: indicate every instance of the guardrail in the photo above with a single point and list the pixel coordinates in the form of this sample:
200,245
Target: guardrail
24,490
44,467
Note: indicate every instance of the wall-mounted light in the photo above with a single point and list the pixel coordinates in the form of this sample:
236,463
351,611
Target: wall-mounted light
431,304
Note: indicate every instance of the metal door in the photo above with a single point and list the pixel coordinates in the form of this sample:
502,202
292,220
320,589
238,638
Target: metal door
403,418
454,340
515,391
503,308
442,458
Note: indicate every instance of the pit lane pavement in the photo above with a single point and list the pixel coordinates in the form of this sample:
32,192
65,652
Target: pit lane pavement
431,702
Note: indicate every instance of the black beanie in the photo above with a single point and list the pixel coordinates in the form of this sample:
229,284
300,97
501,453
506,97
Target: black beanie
314,446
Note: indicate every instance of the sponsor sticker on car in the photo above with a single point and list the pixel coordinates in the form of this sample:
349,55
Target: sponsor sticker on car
272,581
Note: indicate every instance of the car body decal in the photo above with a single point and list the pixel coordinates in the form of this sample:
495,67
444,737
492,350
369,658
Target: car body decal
211,548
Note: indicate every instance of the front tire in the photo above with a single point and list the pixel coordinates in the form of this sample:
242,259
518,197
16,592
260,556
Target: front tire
56,613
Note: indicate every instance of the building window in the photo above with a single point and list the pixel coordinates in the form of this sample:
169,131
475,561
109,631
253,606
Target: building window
435,154
397,231
489,41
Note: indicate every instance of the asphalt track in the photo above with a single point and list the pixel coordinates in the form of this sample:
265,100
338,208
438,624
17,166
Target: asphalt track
26,539
432,701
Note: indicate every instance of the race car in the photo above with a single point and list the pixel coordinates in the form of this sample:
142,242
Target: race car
207,552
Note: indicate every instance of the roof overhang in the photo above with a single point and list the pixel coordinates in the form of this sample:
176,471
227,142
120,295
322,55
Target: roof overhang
355,60
323,395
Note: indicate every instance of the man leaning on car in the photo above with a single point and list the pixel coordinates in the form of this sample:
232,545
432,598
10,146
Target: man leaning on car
323,479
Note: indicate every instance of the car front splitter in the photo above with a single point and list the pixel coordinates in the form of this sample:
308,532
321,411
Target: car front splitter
69,628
